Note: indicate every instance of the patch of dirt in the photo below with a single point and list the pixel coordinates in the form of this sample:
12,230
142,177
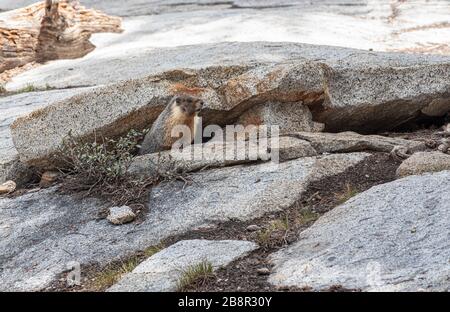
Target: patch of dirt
128,192
276,230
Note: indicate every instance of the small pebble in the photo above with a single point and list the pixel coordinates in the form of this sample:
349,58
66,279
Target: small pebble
263,271
120,215
7,187
48,178
443,148
253,228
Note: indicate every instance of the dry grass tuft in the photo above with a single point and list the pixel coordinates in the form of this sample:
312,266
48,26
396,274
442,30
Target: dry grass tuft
348,192
112,274
195,276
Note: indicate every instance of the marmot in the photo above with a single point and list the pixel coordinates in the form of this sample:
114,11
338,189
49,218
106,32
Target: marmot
181,110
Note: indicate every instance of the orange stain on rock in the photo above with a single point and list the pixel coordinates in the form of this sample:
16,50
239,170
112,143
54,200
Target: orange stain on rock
179,88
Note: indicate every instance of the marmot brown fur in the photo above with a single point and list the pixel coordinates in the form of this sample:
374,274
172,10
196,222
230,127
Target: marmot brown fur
181,110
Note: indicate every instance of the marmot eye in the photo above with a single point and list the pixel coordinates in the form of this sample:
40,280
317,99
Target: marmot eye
178,100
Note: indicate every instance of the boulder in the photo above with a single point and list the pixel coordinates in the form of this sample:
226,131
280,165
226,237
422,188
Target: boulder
353,142
294,145
437,108
11,107
208,21
43,231
393,237
289,117
214,154
163,270
245,192
340,86
422,162
349,105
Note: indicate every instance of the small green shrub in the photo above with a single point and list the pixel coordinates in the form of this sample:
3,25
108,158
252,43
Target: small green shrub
100,168
106,160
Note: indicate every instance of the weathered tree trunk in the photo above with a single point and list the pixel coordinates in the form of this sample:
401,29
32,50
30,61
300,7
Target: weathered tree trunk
50,30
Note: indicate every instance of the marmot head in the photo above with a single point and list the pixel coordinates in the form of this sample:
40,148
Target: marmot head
188,105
